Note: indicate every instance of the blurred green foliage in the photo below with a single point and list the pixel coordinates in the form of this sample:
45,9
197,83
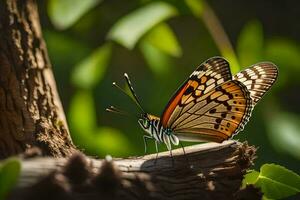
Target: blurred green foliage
9,174
250,44
284,133
64,14
159,43
88,72
130,28
89,137
163,32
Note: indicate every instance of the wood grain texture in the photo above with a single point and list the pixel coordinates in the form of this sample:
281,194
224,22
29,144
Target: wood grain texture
207,171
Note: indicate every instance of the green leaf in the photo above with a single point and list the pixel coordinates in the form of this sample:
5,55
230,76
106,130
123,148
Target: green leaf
157,60
103,141
64,13
284,133
112,142
163,38
250,178
9,174
277,182
196,6
82,116
284,53
65,50
91,70
250,44
229,55
130,28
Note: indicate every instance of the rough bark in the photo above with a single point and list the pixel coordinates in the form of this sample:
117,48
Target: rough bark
207,171
30,110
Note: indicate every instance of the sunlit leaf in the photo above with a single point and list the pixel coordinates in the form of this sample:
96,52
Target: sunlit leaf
277,182
9,174
130,28
82,116
103,141
250,44
163,38
113,142
64,13
284,133
158,61
250,178
91,70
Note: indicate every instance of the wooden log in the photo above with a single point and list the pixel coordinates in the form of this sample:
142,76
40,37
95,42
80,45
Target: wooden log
206,171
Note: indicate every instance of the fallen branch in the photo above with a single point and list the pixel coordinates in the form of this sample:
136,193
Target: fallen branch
207,171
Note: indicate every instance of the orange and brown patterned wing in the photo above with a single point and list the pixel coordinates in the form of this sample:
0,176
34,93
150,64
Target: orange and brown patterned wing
205,78
216,115
258,79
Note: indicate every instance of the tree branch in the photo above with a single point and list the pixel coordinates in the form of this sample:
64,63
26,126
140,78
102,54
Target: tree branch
207,171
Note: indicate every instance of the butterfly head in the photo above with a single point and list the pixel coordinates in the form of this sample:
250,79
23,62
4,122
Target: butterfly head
144,121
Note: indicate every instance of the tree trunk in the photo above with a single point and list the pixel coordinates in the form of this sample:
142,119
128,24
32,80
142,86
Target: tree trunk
30,110
206,171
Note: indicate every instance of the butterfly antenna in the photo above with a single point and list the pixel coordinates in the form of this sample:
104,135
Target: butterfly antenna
138,103
122,90
115,110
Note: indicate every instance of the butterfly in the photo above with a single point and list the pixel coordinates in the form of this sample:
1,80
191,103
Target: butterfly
210,106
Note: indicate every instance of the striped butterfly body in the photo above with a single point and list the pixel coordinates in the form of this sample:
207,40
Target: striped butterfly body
211,105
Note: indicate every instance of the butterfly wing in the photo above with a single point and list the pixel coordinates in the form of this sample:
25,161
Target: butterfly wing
207,76
258,79
216,115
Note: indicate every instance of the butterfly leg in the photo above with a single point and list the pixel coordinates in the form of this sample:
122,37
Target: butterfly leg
187,159
171,154
182,147
146,137
157,150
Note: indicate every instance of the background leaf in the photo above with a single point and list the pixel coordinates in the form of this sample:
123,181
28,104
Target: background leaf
130,28
232,59
156,59
201,10
285,53
90,70
163,32
85,133
64,49
65,13
111,141
9,174
82,116
250,44
196,6
284,133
